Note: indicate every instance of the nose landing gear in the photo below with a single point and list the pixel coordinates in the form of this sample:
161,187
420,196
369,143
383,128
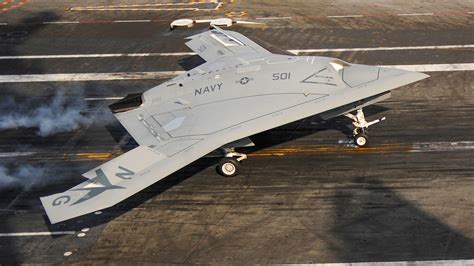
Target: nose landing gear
360,132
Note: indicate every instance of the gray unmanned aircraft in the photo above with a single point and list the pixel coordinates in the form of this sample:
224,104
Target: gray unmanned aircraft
241,90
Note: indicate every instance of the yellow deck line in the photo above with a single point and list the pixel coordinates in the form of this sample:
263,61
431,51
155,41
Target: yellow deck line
283,151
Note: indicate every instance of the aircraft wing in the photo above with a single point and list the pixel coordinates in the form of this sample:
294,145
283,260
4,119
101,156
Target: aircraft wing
218,43
159,155
115,181
107,185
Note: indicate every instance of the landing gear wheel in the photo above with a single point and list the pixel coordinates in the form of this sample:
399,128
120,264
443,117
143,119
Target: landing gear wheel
361,139
228,167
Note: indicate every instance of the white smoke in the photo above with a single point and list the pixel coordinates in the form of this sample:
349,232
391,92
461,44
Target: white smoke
24,177
60,114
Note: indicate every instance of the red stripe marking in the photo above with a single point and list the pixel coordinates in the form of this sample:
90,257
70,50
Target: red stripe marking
6,2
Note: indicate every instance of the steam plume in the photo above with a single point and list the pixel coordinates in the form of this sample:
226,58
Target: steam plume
60,114
24,177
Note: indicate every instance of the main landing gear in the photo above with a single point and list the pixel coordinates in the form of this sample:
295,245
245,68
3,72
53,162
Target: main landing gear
360,132
230,165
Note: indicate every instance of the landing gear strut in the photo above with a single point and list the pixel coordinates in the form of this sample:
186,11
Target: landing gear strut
230,165
360,132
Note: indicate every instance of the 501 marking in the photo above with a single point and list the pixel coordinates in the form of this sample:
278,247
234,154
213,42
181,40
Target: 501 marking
282,76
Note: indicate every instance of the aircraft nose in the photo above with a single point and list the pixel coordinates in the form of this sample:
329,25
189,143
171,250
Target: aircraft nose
401,71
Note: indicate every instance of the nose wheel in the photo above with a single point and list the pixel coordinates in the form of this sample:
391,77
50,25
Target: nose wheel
361,140
360,132
229,166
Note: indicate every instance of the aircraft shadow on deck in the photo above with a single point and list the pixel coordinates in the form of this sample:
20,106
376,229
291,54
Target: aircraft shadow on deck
376,223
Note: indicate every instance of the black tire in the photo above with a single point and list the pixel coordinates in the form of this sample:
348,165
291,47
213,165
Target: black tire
361,140
228,167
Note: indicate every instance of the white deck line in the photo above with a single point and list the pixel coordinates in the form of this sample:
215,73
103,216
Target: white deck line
426,47
443,146
88,76
102,99
141,5
273,18
3,24
37,233
141,9
16,154
132,21
435,67
294,51
346,16
61,22
64,56
403,263
169,74
416,14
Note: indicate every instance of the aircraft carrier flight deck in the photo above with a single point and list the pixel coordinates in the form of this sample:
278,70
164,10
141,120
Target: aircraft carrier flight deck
305,194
